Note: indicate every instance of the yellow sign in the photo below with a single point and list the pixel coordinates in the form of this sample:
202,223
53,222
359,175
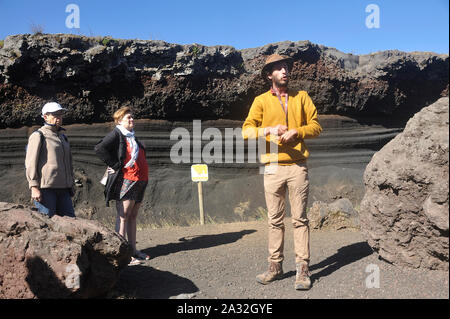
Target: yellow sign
199,172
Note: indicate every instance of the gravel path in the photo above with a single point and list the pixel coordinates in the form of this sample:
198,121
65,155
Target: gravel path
222,260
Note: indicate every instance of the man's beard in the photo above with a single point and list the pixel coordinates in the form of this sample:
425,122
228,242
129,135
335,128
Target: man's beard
281,84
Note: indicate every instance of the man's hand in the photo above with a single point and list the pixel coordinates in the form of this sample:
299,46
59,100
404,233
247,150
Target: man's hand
289,136
36,193
276,130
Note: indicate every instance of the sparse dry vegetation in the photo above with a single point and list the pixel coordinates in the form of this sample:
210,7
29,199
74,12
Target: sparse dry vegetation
36,28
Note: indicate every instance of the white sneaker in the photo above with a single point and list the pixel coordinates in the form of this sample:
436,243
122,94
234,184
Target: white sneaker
134,261
140,255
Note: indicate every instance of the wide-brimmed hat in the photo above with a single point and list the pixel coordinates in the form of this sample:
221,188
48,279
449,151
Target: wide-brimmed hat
275,58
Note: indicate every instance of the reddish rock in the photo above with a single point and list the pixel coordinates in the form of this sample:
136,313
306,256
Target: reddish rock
58,257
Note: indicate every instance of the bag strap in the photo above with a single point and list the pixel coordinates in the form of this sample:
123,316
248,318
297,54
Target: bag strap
65,137
42,140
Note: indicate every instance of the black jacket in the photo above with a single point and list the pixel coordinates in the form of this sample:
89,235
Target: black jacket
112,150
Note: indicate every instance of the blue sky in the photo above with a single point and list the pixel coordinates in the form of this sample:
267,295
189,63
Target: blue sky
404,25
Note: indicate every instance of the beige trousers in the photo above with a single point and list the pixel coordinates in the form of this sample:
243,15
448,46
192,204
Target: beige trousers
278,178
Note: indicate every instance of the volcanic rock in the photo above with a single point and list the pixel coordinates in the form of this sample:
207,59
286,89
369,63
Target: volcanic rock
336,215
93,76
58,257
405,209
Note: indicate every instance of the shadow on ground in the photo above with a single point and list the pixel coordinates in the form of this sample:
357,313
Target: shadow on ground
196,242
147,282
344,256
144,282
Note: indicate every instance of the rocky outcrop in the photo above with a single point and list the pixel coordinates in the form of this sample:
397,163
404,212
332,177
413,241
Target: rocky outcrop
94,76
337,215
405,209
58,257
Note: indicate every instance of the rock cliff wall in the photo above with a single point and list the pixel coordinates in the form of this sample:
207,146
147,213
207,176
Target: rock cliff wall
234,191
363,102
94,76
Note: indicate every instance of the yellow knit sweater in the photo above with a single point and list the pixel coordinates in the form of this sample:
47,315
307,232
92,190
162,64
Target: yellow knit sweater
266,111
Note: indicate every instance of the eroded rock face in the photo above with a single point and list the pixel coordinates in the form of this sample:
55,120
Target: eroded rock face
58,257
405,210
92,77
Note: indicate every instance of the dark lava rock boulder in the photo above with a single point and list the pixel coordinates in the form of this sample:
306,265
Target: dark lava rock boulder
405,209
58,257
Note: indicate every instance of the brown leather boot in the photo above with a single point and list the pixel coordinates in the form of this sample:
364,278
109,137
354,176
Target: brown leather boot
302,280
274,272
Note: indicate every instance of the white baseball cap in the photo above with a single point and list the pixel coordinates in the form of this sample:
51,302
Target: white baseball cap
52,107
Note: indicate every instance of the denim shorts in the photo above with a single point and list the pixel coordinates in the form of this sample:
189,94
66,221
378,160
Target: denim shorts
55,201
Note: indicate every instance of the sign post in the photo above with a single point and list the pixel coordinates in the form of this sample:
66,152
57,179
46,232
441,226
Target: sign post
199,173
200,203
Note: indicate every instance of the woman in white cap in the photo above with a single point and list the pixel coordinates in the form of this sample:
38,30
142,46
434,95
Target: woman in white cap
49,168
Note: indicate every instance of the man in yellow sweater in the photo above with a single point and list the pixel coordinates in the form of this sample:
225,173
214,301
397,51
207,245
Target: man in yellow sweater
285,117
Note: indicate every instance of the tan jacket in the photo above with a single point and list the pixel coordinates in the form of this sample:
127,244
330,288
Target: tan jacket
49,165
